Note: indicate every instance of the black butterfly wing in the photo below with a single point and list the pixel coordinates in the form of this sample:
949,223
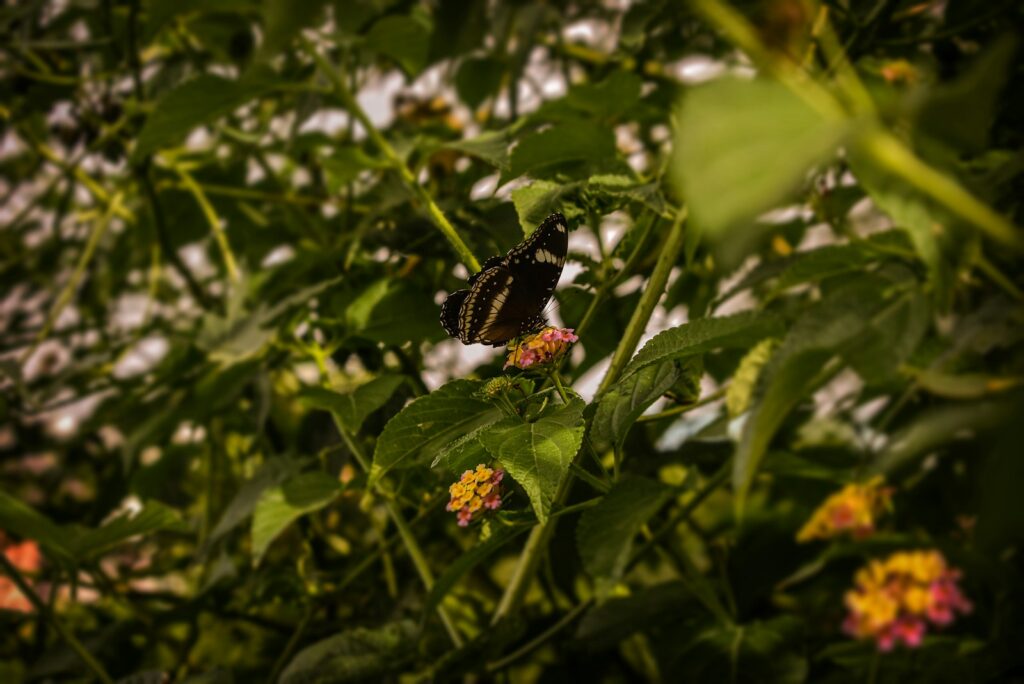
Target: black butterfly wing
508,295
536,265
450,312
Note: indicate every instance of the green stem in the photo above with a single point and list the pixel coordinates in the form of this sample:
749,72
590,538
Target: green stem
98,230
535,546
50,617
588,478
212,219
676,410
433,211
535,643
648,300
892,155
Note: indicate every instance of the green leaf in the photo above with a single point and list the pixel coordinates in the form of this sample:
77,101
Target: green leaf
937,427
741,146
606,531
279,506
843,325
704,335
620,406
538,200
818,264
741,389
405,39
537,455
608,623
465,452
490,146
428,424
153,517
928,227
352,408
24,521
610,98
961,114
359,654
500,536
201,100
346,163
241,506
241,334
579,141
393,312
964,385
281,23
477,79
621,189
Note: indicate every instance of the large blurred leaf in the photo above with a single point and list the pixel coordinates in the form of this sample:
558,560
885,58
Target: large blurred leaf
937,427
621,405
352,408
281,22
279,506
358,654
742,145
612,621
393,311
609,98
200,101
477,79
605,533
537,455
961,113
704,335
428,424
490,146
405,39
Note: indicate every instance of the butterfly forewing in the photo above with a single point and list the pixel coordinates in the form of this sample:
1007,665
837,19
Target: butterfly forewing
508,295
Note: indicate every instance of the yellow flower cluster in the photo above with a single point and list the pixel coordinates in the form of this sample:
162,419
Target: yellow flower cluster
852,510
540,348
476,490
896,599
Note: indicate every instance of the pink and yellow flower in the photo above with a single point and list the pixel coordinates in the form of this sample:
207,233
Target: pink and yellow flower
476,491
852,510
896,600
540,348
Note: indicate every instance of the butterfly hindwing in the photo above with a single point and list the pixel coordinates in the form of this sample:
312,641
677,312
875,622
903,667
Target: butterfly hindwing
508,295
450,311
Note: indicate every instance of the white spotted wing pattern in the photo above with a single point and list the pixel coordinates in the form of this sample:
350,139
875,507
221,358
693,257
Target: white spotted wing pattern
507,297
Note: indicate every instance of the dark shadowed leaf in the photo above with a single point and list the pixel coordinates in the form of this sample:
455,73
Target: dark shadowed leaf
429,424
279,506
359,654
352,408
605,533
621,405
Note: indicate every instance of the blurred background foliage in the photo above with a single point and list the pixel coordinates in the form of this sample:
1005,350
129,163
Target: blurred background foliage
227,229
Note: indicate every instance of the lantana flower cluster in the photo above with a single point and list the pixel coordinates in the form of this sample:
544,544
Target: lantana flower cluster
896,600
540,348
852,510
476,491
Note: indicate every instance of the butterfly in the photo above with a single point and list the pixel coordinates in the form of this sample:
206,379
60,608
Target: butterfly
507,297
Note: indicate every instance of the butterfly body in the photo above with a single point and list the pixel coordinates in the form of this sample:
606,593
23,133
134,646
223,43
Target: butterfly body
506,298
